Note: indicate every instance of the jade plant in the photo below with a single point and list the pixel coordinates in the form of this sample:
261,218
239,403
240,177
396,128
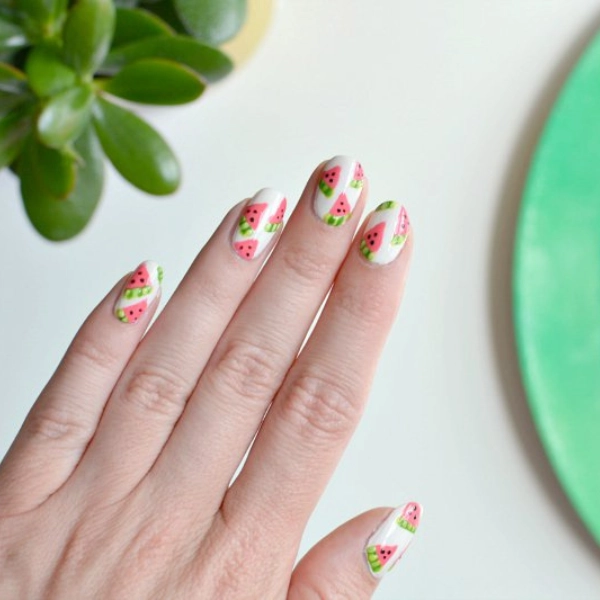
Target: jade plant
65,70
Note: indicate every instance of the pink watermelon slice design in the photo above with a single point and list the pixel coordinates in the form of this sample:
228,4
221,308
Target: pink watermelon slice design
250,218
401,230
378,556
339,213
410,517
329,179
131,313
277,219
359,175
139,284
246,249
371,241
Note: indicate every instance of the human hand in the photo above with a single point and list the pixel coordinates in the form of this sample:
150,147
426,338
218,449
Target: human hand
119,484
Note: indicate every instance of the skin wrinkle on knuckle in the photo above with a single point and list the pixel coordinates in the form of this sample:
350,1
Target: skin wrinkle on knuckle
247,369
232,571
306,265
370,306
155,390
214,293
319,405
308,591
58,426
94,353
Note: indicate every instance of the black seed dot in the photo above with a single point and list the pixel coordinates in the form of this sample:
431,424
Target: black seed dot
130,312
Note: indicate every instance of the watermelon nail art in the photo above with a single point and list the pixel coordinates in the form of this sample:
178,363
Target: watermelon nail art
260,219
391,539
385,233
338,190
140,290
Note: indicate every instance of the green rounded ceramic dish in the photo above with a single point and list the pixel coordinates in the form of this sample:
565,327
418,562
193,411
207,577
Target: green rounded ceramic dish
556,287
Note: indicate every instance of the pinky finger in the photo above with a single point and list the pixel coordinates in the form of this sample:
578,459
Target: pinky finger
64,418
351,560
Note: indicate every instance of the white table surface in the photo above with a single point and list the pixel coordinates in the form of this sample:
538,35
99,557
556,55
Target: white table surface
442,101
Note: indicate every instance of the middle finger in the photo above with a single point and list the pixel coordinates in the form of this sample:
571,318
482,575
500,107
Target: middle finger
264,337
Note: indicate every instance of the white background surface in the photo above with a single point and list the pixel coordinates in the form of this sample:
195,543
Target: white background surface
442,101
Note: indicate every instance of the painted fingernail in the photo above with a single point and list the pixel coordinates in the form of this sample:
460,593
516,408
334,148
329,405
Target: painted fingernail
391,539
385,233
139,292
261,218
338,190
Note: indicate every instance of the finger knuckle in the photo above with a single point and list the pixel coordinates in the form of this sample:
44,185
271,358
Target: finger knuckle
155,390
93,353
247,369
238,564
370,306
57,425
306,266
311,590
321,406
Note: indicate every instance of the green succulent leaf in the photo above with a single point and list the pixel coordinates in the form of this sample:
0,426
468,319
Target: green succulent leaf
134,24
46,71
65,116
11,35
87,34
136,150
126,3
42,18
61,219
14,128
209,62
155,81
210,21
12,80
56,171
9,102
166,12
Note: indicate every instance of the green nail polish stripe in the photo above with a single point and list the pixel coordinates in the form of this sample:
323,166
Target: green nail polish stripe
272,227
405,525
137,292
386,205
364,249
325,189
244,227
373,559
335,221
121,315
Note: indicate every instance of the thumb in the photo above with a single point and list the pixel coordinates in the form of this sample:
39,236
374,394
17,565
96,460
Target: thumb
351,560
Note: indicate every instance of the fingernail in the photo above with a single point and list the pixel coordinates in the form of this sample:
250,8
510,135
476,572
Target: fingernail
261,218
338,190
385,233
139,292
391,539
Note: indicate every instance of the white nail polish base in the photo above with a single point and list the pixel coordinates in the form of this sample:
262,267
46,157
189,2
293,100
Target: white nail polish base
140,290
385,233
260,220
391,539
338,189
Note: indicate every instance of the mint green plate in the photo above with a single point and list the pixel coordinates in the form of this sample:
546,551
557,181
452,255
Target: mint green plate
556,287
